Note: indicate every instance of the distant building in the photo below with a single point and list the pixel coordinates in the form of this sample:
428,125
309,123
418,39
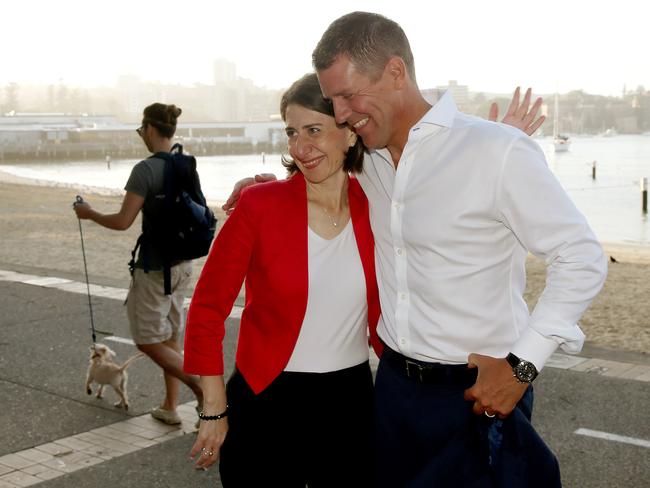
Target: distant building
431,95
225,72
135,95
228,98
62,136
28,131
459,92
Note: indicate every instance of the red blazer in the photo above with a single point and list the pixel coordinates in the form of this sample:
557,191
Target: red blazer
265,242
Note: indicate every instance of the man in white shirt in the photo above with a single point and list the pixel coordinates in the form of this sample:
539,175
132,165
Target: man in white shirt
456,203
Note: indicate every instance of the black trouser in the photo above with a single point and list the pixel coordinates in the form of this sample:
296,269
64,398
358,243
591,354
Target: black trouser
305,429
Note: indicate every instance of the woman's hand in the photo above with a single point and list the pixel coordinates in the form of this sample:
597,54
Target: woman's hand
212,434
519,115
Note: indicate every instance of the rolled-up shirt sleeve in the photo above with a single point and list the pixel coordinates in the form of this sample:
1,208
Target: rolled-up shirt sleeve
533,204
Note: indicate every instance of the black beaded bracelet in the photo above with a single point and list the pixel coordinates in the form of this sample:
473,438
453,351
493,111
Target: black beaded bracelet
223,414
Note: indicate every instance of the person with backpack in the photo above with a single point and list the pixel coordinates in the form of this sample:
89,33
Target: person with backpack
177,226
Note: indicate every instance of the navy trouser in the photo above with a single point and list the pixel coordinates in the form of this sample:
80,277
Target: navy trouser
427,435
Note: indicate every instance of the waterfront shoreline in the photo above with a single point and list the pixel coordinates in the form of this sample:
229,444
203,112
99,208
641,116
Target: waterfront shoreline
630,251
40,235
611,202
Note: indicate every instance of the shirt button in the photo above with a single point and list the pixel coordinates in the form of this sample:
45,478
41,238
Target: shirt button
402,341
402,296
399,251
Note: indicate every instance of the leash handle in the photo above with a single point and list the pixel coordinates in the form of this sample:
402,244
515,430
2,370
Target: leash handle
79,199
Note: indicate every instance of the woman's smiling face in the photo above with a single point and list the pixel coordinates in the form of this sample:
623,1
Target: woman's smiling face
316,144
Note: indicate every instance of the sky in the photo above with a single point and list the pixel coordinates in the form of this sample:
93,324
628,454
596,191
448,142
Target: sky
491,46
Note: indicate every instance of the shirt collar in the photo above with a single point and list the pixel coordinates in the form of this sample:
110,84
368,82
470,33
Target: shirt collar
442,113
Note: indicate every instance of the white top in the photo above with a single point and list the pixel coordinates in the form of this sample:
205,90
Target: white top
452,228
334,332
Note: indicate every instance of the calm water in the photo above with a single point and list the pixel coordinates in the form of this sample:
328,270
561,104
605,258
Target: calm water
612,203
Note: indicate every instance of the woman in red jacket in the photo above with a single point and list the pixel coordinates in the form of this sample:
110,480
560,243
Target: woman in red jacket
298,409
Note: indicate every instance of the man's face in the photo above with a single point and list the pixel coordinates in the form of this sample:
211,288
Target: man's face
365,105
144,131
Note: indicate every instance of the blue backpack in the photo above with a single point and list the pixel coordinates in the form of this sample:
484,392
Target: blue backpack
188,225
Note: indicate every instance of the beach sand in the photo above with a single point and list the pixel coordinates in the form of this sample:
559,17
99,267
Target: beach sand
40,235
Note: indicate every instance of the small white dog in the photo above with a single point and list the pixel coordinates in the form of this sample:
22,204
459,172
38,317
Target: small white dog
103,371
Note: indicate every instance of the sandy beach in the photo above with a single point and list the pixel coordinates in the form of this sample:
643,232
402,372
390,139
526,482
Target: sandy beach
40,235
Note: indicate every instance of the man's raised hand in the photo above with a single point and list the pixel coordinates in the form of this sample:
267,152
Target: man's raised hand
231,203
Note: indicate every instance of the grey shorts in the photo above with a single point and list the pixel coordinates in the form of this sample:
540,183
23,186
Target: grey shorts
153,316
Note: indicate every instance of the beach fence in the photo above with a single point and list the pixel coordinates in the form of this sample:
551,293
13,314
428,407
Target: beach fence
643,185
644,195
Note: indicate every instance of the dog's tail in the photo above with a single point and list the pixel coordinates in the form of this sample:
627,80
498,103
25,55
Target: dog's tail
131,359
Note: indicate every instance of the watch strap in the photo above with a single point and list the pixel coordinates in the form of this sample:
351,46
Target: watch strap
513,360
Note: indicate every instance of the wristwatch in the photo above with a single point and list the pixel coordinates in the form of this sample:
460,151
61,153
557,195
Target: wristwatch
523,370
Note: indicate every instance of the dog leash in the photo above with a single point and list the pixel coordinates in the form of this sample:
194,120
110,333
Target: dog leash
78,200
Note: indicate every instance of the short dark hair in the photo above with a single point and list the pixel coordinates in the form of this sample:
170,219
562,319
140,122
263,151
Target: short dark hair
306,93
368,40
162,117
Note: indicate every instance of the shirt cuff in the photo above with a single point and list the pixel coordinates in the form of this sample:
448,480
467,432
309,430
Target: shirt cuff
534,347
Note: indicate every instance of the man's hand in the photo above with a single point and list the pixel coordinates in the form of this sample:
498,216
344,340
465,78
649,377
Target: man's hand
496,391
231,203
122,220
82,209
519,115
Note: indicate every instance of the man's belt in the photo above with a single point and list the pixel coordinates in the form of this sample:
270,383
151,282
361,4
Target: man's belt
430,373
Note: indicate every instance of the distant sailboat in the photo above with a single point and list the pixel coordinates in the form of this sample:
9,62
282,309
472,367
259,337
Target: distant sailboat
561,142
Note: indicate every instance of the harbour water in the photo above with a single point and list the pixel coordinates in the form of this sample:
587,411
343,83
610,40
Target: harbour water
611,202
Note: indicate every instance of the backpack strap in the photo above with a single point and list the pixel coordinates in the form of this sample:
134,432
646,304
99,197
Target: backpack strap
167,278
145,255
170,194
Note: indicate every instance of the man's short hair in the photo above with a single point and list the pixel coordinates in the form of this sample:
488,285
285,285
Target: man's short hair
368,40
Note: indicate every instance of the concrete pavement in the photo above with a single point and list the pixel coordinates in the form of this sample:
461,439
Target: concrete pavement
56,435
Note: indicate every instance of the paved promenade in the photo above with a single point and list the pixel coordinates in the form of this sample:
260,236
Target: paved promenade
592,409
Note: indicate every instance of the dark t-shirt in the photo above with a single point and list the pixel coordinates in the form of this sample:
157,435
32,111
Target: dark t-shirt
147,180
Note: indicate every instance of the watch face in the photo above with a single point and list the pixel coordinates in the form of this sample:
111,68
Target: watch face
525,371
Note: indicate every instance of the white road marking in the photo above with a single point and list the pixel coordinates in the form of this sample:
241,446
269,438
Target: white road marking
121,340
614,369
613,437
81,288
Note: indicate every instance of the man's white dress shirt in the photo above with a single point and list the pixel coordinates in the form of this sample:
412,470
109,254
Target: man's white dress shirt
453,225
